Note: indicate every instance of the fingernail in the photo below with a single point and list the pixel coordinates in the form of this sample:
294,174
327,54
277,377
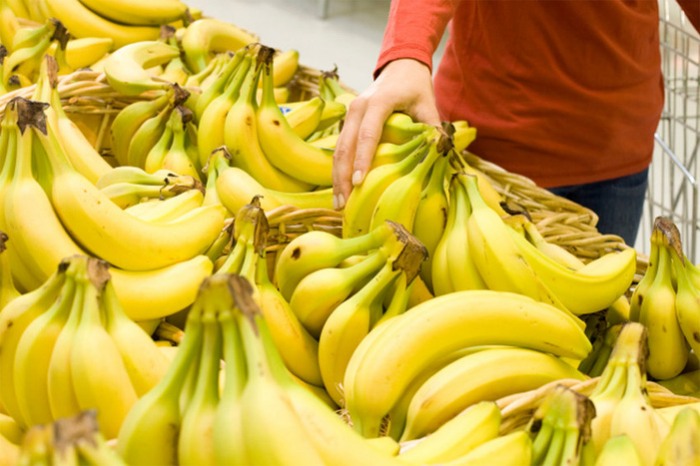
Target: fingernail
357,177
341,201
335,201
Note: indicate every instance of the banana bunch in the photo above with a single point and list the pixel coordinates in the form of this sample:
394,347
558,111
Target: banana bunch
621,400
431,331
69,440
560,427
380,295
176,149
76,352
666,301
45,230
247,258
261,414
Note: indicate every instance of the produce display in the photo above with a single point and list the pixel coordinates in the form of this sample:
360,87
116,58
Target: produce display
176,287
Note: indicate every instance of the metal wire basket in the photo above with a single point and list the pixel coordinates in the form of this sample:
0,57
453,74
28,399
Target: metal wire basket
673,178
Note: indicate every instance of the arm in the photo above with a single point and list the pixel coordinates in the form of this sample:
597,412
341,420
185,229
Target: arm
403,83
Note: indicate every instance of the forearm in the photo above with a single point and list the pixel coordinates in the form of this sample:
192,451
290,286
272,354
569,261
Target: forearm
414,30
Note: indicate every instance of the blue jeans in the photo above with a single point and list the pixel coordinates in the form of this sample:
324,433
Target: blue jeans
618,203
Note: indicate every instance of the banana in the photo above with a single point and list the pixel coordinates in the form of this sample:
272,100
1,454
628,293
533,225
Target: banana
228,423
472,427
9,452
106,230
286,65
432,216
149,433
32,358
235,188
168,209
8,291
514,449
126,68
687,301
453,267
400,199
400,128
208,36
195,442
440,326
388,152
680,445
318,249
668,348
463,135
496,256
221,78
135,13
98,372
147,135
26,61
357,213
274,432
60,388
83,22
177,156
298,348
144,362
14,320
485,375
129,119
212,117
347,325
305,117
84,52
320,292
280,145
128,174
243,139
9,26
619,450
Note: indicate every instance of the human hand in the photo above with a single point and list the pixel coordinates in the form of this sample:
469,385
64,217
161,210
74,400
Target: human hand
404,85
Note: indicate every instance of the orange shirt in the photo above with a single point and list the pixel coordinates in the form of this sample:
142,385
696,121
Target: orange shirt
564,92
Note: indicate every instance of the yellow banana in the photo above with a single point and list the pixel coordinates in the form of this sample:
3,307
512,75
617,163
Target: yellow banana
399,128
273,432
304,118
281,146
146,135
168,209
472,427
135,13
99,374
318,249
178,156
220,79
431,216
195,442
235,188
243,140
347,325
149,433
357,213
485,375
32,358
441,325
400,199
463,135
85,52
9,26
83,22
668,348
126,68
514,449
212,117
286,65
680,444
129,119
619,450
496,256
208,36
453,267
320,292
687,301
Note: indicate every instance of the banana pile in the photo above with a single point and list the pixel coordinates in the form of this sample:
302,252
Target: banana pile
149,315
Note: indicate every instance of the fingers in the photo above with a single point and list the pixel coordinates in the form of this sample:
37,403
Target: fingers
344,155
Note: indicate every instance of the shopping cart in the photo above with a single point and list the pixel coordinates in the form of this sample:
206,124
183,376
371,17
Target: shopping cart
675,170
